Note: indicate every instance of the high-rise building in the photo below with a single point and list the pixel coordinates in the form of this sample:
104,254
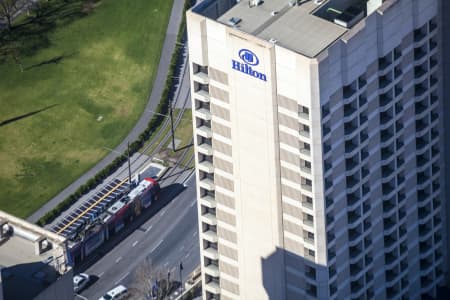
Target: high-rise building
318,142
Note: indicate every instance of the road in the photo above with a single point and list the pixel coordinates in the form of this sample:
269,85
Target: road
169,237
155,96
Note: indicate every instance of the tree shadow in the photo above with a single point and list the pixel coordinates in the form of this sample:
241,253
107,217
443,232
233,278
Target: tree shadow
32,33
6,122
54,60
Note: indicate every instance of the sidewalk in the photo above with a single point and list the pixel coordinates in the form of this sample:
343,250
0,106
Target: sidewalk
155,96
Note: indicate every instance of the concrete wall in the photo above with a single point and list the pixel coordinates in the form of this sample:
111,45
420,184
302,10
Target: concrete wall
61,289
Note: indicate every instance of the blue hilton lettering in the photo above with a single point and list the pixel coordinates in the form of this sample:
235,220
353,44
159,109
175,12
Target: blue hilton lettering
249,59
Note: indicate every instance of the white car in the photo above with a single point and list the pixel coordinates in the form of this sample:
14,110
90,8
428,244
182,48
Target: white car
80,281
119,292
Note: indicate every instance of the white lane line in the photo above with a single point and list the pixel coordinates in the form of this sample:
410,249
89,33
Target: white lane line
134,244
193,203
149,228
187,255
101,274
118,259
162,213
122,278
82,297
184,183
181,248
195,233
157,245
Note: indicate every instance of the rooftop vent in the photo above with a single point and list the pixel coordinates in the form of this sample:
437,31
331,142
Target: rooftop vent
273,40
234,21
252,3
349,17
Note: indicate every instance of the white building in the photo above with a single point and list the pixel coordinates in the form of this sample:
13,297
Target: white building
317,137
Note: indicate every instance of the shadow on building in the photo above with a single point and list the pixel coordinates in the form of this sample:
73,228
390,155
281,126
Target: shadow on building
285,276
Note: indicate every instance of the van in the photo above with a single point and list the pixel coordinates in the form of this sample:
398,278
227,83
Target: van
117,293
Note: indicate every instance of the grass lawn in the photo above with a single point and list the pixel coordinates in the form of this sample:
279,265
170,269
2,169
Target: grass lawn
87,72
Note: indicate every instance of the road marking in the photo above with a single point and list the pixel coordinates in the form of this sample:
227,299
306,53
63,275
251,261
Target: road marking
149,228
118,259
82,297
195,233
193,203
187,255
163,212
101,274
166,264
157,245
181,248
184,183
122,278
134,244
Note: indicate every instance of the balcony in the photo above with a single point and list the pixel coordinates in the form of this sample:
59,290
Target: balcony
383,63
208,201
383,81
202,95
419,90
304,131
210,236
212,286
203,113
211,253
205,149
207,184
201,77
349,91
306,187
305,169
206,166
204,131
209,218
419,53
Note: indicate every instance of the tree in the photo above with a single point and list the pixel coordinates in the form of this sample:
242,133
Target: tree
150,283
7,10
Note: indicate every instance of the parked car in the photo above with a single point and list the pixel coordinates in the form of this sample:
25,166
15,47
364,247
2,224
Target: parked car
80,281
117,293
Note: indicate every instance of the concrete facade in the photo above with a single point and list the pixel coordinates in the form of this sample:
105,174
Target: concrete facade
318,176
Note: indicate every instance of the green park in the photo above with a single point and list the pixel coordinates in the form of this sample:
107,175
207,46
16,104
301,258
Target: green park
75,77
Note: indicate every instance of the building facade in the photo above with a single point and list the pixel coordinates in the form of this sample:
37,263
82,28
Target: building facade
317,129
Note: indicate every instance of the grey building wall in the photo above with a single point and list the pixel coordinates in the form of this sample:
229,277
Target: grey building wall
61,289
445,13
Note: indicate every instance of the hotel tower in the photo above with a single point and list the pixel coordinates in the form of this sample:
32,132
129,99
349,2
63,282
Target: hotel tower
319,150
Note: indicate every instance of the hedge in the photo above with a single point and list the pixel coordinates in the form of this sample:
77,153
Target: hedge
162,109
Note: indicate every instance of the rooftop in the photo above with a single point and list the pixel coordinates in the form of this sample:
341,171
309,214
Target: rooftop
306,27
30,257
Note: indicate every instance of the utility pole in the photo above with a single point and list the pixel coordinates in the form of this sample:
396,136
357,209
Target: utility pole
129,165
171,125
181,278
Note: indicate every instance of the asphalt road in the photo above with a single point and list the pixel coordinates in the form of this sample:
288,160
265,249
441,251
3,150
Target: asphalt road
155,96
169,237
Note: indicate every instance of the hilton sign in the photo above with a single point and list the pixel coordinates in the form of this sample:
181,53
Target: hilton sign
249,59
